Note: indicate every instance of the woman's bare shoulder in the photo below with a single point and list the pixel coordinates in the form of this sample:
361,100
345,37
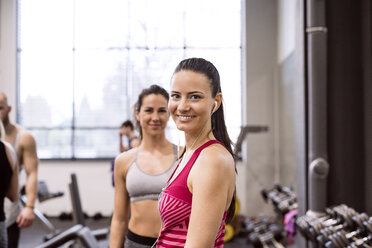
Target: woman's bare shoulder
124,160
213,170
216,160
219,155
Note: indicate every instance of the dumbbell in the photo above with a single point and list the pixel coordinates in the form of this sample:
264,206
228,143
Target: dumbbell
359,220
267,236
322,238
287,205
276,191
302,225
314,225
310,226
368,225
346,214
365,242
336,240
305,223
252,224
282,200
343,214
342,239
326,232
288,191
272,194
285,190
337,235
362,229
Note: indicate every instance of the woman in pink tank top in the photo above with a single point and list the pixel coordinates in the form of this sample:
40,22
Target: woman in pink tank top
199,196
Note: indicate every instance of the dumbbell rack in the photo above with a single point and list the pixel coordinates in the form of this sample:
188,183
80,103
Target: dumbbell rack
282,198
262,231
265,232
284,202
339,226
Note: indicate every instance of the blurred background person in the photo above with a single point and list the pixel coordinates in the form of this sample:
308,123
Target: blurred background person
126,133
127,130
24,145
8,182
141,173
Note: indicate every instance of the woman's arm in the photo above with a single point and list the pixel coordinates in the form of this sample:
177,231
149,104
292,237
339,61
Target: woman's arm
12,193
212,183
119,222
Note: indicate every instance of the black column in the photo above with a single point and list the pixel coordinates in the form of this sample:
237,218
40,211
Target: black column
346,104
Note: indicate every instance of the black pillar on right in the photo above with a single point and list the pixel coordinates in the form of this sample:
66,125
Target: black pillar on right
349,103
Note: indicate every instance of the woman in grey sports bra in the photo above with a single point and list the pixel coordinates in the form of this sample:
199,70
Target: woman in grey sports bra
141,173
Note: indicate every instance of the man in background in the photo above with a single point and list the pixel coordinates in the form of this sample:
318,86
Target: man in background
132,140
127,129
25,147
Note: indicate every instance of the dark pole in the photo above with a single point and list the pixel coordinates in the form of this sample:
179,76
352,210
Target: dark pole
317,88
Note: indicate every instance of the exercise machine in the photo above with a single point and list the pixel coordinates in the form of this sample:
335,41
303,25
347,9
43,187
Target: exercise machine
43,195
78,235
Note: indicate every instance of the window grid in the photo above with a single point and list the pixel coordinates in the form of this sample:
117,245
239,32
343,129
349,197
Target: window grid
129,86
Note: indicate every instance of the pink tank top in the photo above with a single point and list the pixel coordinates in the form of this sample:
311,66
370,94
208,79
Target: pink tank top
175,208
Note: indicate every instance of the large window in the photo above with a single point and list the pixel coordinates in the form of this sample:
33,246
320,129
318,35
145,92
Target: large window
82,64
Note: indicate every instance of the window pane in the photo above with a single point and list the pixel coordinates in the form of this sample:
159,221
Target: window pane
84,62
53,143
46,88
101,24
151,67
100,88
212,23
156,23
46,25
96,143
45,71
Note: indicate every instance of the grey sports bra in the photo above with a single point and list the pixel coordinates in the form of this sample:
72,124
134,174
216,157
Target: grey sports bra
143,186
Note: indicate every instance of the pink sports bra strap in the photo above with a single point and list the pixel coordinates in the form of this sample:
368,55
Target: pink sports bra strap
178,187
193,158
198,151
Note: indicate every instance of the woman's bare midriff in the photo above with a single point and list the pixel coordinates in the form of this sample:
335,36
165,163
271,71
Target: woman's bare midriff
144,218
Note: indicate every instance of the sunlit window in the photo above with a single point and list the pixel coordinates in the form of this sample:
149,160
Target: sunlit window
82,64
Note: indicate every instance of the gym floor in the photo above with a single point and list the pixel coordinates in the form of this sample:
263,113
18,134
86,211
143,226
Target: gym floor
33,236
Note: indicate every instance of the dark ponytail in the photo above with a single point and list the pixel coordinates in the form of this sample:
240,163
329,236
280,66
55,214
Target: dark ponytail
219,129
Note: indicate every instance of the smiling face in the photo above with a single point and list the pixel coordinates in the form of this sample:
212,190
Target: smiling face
153,114
191,102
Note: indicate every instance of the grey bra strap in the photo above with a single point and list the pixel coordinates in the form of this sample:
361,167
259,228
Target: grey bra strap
135,156
175,151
